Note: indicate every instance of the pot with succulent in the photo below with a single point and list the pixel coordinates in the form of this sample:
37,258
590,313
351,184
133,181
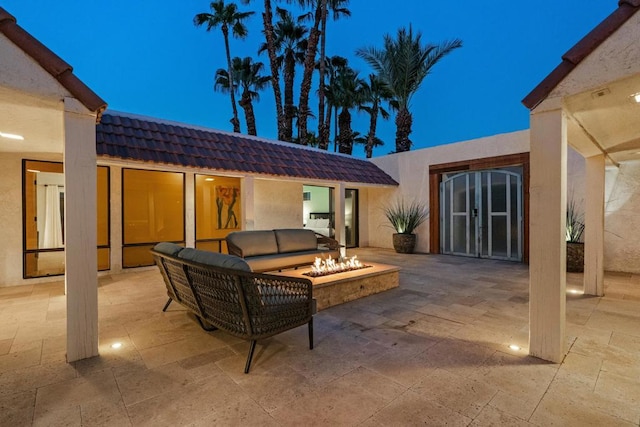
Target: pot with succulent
574,232
405,217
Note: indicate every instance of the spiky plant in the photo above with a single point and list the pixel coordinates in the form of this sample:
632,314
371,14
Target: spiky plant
405,217
575,222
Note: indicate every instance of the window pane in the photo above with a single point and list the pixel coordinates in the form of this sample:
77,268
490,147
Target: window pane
153,207
217,205
460,194
103,206
499,236
44,264
104,260
220,246
498,192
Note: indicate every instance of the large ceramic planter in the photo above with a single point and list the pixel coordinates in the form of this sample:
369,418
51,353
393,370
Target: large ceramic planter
404,243
575,257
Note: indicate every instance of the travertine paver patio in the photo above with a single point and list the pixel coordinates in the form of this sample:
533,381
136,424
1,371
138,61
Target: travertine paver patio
433,351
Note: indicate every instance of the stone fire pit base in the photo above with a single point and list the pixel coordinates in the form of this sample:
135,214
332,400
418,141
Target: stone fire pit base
344,287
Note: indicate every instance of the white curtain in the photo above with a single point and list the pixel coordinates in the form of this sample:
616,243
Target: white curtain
52,219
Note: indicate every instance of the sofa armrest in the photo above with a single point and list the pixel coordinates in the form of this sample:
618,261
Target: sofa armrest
234,250
330,243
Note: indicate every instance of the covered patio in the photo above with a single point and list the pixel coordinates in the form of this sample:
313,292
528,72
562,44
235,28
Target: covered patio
435,350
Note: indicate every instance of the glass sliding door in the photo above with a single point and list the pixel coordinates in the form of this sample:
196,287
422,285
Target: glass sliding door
351,217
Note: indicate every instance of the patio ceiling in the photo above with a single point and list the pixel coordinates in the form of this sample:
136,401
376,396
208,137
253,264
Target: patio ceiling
606,121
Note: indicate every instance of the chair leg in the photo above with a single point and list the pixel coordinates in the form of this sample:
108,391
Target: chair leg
206,328
250,356
311,334
167,305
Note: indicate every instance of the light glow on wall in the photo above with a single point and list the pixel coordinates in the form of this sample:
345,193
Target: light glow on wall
12,136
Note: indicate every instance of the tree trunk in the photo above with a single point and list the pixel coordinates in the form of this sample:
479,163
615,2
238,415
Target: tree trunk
309,65
345,138
249,116
403,130
373,123
323,134
289,106
323,143
267,18
234,120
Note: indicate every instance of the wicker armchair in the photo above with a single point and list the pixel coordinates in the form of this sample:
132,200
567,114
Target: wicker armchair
247,305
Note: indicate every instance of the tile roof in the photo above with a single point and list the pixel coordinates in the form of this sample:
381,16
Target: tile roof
570,60
50,62
131,137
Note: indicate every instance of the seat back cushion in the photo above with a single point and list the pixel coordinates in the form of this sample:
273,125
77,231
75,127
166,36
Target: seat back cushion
214,259
168,248
252,243
295,240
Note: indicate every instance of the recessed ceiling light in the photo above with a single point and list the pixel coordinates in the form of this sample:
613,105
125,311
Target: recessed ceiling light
12,136
116,345
208,179
33,170
574,291
514,347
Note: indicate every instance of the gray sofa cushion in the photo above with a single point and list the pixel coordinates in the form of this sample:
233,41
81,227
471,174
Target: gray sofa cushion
253,243
214,259
168,248
295,240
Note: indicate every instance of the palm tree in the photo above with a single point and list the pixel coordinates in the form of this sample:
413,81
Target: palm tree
338,9
402,64
349,88
290,40
374,94
248,76
267,19
224,16
333,65
309,64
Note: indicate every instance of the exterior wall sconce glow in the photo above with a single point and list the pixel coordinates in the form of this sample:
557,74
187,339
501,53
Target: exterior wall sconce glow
12,136
209,179
116,345
514,347
636,97
574,291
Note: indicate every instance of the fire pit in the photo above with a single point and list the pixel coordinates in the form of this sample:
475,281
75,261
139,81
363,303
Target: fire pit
324,267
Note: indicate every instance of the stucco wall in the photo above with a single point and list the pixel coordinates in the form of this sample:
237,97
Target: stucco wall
616,58
411,170
278,204
21,72
622,222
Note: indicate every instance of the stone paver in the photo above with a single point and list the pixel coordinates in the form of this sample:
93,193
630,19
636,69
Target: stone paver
433,351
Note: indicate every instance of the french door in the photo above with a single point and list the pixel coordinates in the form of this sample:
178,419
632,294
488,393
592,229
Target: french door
481,214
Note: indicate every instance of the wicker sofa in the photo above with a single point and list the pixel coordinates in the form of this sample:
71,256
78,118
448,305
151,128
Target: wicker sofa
270,250
224,294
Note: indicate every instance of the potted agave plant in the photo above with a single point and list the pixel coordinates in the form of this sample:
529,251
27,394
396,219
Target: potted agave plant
405,218
574,232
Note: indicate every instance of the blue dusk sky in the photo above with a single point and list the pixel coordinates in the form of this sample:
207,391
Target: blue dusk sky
147,57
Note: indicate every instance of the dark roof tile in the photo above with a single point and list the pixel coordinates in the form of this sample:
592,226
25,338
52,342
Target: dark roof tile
122,136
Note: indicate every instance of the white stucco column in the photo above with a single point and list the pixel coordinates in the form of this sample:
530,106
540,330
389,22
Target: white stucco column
248,203
594,226
547,250
81,277
116,218
189,210
339,204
